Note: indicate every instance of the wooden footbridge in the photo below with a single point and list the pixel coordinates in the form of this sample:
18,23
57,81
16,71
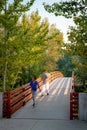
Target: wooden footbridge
58,110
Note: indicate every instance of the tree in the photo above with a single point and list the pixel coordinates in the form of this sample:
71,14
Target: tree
67,9
55,45
28,44
77,46
44,42
65,65
9,15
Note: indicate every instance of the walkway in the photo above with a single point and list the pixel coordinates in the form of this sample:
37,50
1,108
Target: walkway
51,112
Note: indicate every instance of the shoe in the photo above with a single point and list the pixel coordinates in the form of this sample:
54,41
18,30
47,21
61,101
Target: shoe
33,104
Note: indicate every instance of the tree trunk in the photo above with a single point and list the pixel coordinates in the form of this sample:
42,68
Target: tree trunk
4,77
5,53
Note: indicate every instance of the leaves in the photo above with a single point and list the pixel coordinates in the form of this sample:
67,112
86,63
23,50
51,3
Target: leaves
76,47
67,9
9,15
27,44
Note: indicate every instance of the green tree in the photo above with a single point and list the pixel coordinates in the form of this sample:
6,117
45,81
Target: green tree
77,46
44,41
28,42
65,65
67,9
55,44
9,15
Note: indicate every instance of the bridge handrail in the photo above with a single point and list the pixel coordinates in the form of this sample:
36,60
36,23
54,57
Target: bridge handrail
17,98
73,101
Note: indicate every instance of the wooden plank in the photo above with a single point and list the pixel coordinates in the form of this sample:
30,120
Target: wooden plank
16,107
16,99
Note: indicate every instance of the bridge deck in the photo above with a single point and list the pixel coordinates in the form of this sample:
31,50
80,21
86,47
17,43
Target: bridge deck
53,106
51,112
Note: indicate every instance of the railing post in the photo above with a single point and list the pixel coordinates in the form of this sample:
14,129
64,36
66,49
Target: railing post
9,105
73,81
6,105
74,106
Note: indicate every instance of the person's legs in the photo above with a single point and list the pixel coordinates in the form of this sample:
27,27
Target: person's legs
47,88
33,97
43,90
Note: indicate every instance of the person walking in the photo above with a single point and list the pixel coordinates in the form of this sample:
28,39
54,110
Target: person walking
34,85
45,82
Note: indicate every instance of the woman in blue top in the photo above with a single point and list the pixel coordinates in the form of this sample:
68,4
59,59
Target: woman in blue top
34,85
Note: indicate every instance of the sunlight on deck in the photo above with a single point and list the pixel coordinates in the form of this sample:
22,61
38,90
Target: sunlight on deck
67,87
60,86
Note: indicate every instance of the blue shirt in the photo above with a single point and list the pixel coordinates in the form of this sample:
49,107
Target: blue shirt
34,85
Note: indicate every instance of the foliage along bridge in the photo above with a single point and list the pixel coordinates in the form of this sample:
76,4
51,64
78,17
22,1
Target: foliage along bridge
56,105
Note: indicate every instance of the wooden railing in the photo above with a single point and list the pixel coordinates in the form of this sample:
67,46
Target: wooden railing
74,105
17,98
